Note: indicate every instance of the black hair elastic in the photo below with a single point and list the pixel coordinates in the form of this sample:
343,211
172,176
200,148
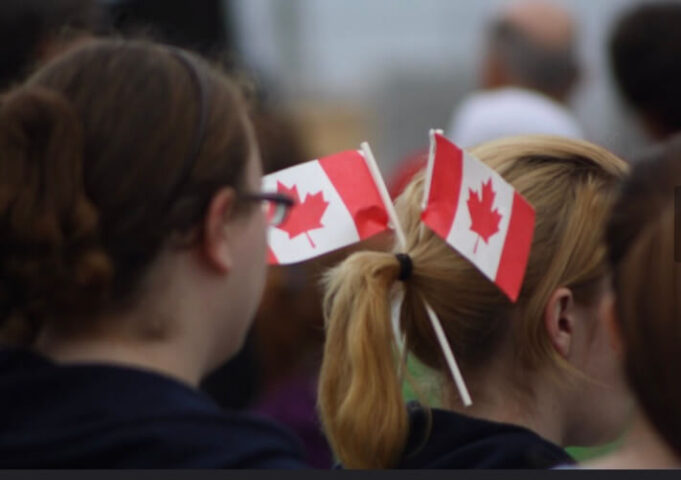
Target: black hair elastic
406,266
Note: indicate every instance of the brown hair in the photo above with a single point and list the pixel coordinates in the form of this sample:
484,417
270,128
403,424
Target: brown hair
570,183
641,237
100,167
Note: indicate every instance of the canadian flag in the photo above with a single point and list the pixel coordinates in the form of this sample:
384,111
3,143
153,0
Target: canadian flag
337,203
478,213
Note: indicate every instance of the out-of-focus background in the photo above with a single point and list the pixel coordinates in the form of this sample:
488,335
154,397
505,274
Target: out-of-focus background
383,70
386,71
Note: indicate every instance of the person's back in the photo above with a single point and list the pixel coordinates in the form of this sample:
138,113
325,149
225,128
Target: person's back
94,416
132,259
440,438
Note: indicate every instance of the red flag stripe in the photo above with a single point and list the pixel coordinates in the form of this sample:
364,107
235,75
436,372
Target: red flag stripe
271,257
443,197
352,179
516,250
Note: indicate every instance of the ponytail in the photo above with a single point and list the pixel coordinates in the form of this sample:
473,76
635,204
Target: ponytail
48,227
360,394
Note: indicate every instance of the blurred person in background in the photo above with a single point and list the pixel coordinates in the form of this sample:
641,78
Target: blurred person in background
541,372
132,261
33,31
202,26
645,48
528,72
647,313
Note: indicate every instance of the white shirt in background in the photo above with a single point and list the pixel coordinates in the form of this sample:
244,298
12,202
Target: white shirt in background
510,111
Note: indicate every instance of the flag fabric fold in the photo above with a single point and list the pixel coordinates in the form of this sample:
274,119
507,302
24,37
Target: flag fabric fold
337,203
478,213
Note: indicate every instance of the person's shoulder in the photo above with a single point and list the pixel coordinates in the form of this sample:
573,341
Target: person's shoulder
124,417
507,99
530,450
492,114
445,439
229,440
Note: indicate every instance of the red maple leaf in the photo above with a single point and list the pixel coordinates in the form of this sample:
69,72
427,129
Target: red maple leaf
484,220
304,216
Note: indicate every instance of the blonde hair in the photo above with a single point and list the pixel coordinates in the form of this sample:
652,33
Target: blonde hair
571,184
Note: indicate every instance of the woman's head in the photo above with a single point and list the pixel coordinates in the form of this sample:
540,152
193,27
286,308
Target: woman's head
571,185
645,255
113,155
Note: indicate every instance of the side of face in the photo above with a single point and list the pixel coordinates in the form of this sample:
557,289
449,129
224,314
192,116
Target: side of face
597,403
247,234
235,246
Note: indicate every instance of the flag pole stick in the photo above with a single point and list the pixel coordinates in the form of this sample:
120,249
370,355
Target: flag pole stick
402,244
400,338
429,175
449,355
385,196
429,166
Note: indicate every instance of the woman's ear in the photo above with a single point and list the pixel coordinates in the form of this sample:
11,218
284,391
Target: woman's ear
216,245
559,320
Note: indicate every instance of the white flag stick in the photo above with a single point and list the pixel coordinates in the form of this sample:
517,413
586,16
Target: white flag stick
402,244
449,356
429,166
383,191
429,175
400,338
395,306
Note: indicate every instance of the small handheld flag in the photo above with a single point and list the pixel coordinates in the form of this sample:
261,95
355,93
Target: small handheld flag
478,213
336,203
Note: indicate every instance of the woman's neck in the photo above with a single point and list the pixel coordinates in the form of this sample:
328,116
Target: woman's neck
497,398
642,448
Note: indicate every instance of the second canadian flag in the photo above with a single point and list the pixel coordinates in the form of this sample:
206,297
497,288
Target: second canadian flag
479,214
337,203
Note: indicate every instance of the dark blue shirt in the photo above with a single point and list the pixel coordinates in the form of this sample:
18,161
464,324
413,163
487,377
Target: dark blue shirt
105,416
458,441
